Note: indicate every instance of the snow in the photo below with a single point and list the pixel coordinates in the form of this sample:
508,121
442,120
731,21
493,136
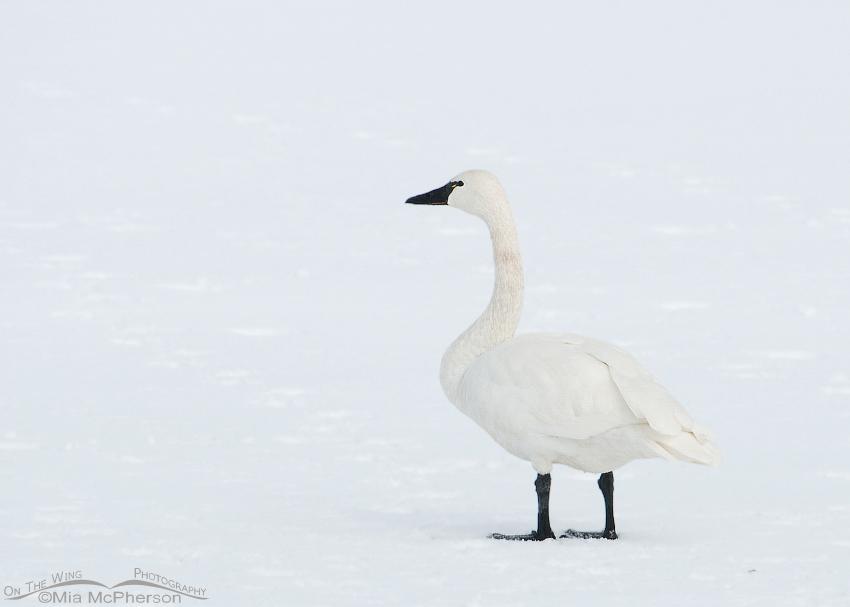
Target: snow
220,327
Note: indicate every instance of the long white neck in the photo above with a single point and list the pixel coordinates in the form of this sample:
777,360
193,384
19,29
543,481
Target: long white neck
500,320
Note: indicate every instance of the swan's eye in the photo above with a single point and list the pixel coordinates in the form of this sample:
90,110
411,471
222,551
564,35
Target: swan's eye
456,184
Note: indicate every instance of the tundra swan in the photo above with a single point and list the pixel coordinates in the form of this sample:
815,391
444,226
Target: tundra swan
554,398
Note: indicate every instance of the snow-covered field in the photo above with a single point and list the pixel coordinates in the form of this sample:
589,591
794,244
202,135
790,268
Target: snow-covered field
220,327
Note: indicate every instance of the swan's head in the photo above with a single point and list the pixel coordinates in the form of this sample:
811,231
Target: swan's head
476,192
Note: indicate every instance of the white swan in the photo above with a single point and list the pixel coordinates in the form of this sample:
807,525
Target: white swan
554,398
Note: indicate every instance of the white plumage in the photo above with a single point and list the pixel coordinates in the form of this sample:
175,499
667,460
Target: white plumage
566,399
554,398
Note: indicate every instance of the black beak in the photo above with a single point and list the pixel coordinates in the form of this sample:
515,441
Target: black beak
438,196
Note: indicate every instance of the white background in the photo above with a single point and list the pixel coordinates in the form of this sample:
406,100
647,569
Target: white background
220,327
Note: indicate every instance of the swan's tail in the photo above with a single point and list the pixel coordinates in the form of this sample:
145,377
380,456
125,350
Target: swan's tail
693,447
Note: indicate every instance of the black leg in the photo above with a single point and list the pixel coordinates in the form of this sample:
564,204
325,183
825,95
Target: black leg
606,485
544,529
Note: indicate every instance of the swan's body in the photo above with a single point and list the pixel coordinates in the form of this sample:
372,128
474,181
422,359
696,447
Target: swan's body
554,398
565,399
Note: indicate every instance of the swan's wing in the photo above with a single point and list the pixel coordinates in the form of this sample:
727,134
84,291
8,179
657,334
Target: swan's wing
548,385
644,394
571,387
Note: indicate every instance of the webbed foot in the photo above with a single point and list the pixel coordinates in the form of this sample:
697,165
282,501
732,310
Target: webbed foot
608,534
534,536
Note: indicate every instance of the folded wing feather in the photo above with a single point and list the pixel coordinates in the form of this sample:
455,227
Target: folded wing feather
643,393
